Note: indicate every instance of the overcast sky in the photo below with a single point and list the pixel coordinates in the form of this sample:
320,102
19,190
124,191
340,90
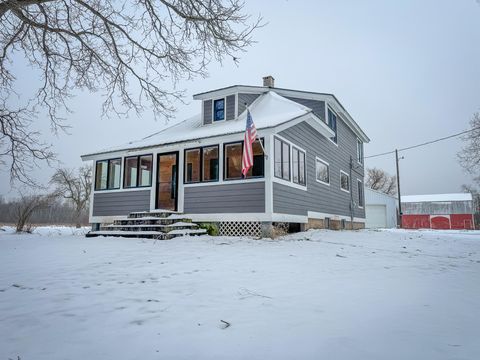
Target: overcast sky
407,71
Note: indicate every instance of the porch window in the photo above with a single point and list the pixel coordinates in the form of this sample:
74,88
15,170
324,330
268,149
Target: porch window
210,163
138,171
282,159
201,164
233,161
107,174
298,166
192,165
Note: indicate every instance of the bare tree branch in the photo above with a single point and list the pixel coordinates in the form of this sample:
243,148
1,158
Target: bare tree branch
378,179
131,52
469,156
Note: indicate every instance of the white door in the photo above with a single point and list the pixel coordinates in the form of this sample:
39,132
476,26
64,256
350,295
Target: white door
375,216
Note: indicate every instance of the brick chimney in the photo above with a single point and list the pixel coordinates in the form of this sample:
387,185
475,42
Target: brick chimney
269,81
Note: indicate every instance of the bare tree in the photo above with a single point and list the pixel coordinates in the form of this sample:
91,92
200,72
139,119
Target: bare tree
25,207
469,156
75,187
378,179
132,52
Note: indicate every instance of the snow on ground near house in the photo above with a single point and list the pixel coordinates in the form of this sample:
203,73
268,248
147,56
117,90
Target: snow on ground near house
319,294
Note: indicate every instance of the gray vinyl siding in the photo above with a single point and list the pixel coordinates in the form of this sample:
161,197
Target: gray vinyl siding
120,202
248,197
230,110
320,197
207,111
245,99
317,106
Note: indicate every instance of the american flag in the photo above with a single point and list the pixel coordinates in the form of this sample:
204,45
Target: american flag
249,139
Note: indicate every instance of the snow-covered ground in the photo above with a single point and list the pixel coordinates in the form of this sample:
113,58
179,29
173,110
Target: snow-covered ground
314,295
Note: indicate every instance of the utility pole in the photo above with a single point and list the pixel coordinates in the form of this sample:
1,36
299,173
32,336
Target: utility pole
398,189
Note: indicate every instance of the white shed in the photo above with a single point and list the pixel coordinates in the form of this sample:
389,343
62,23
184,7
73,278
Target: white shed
380,210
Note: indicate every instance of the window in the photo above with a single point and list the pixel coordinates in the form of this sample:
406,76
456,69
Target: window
332,123
210,163
344,181
107,174
360,193
192,165
282,159
233,154
322,170
138,171
219,110
298,166
359,151
201,164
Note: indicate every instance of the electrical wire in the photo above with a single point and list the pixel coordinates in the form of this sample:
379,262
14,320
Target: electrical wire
423,144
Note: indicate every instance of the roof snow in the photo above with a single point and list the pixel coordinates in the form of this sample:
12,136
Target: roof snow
268,110
437,197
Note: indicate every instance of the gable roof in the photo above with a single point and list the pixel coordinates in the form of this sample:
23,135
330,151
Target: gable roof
437,198
268,110
339,108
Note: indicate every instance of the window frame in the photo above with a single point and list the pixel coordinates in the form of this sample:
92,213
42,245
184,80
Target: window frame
138,172
262,140
108,174
224,109
282,142
185,182
298,169
349,182
362,198
317,159
360,155
330,110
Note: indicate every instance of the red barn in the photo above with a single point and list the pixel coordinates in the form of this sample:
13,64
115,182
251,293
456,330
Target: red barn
438,211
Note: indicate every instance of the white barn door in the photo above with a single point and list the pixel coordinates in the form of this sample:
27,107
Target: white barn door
375,216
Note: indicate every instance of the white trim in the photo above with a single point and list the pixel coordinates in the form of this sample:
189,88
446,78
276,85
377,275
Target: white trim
328,107
289,182
359,141
268,175
358,193
319,215
236,105
349,182
224,182
328,166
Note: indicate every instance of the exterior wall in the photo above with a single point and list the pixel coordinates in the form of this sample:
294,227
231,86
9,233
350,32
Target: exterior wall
230,107
317,106
245,98
373,197
248,197
318,197
120,202
207,111
437,208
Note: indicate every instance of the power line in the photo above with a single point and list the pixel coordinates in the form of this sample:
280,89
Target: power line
423,144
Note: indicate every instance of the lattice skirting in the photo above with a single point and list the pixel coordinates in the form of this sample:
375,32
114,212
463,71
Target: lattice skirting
239,228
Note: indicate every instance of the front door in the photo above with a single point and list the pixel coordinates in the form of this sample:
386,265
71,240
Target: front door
167,181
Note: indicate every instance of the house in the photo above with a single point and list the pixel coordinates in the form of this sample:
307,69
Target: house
381,210
438,211
311,175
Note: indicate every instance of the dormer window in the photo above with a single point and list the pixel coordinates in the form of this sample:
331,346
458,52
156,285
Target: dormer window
219,110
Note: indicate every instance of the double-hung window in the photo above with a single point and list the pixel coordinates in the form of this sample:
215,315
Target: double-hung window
332,123
322,170
233,154
107,174
219,110
360,193
298,166
359,151
344,181
282,159
138,171
201,164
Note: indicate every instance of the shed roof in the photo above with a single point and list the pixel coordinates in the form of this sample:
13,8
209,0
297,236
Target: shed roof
437,198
